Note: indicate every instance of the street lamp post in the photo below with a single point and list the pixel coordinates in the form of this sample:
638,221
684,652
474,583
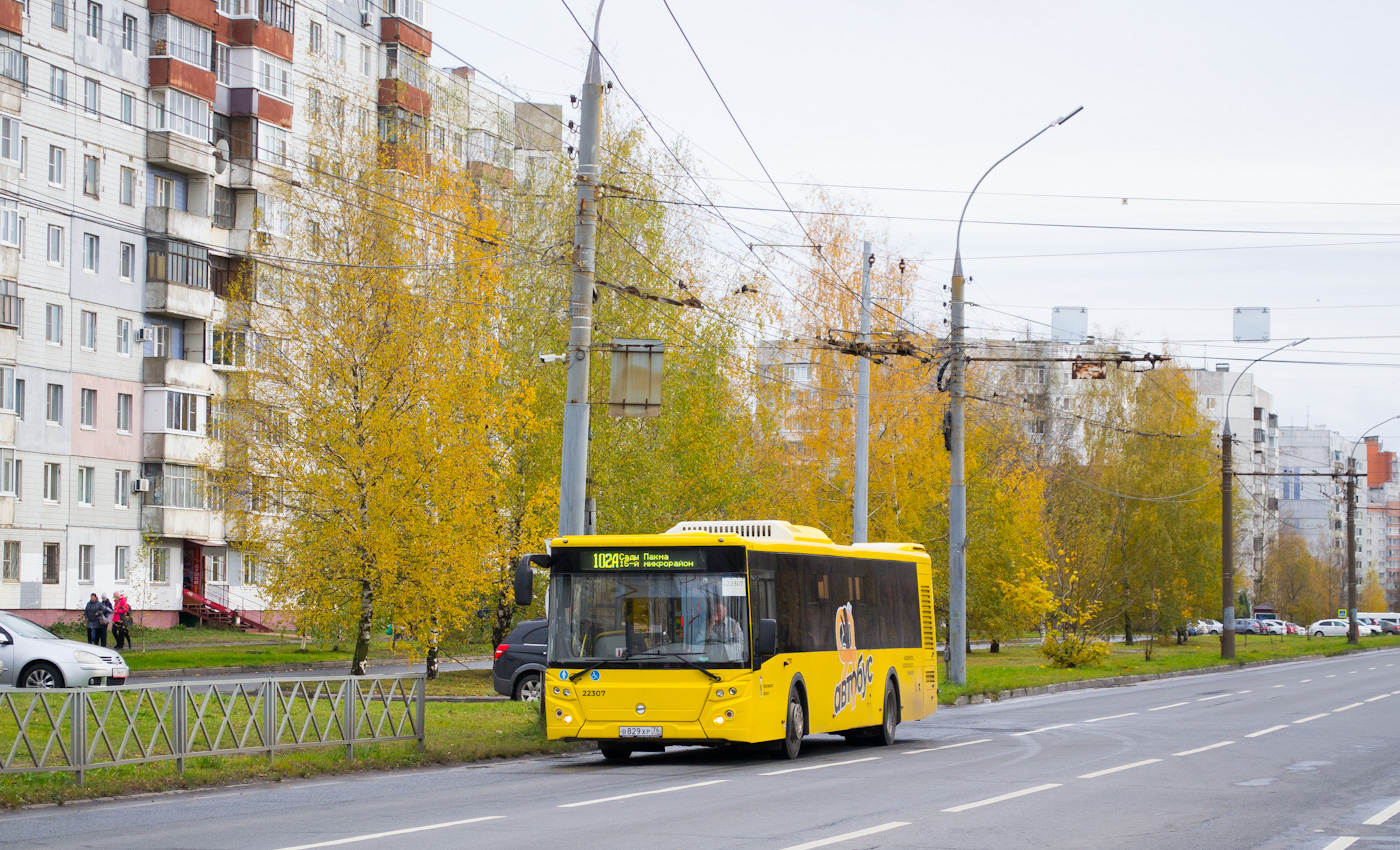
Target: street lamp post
1227,517
957,487
1353,634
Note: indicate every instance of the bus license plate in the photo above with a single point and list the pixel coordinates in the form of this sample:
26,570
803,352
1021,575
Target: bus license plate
639,731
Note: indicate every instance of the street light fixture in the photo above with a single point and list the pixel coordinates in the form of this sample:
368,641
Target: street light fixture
1353,635
1227,516
957,487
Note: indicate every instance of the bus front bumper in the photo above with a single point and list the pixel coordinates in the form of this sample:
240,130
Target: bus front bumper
643,734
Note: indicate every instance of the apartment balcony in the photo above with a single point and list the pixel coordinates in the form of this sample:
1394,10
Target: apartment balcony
264,107
171,150
177,299
166,71
406,96
176,522
407,158
253,32
184,374
187,449
266,178
178,224
407,33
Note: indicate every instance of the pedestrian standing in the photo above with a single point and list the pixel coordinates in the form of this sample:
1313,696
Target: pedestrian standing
104,621
92,615
121,618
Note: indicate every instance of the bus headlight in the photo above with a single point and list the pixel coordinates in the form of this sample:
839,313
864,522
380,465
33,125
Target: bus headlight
719,721
568,718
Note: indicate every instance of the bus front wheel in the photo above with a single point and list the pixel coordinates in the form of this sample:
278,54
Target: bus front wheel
791,744
616,753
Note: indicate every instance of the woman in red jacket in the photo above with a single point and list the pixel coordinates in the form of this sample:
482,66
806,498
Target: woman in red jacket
121,614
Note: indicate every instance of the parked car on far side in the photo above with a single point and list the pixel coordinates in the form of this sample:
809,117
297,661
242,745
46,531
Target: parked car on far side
34,657
1272,627
1389,625
1209,627
1248,627
519,665
1328,628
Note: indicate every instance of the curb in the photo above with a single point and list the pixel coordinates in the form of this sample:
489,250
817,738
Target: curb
187,672
1122,681
482,698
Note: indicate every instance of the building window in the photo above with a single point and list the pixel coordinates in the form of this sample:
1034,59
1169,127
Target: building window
90,248
128,33
128,263
9,486
7,389
55,244
124,337
272,143
85,563
94,19
338,47
122,484
87,330
160,565
53,324
230,349
60,22
52,479
400,63
218,569
9,222
87,408
92,96
9,561
127,190
162,345
178,38
58,84
165,192
222,65
251,572
13,63
366,60
120,557
90,176
276,13
177,262
53,408
314,39
128,109
410,9
182,412
178,112
85,476
55,165
274,75
9,139
223,207
124,413
180,486
19,399
51,549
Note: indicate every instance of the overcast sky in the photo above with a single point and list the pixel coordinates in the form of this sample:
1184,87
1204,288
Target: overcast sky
1267,116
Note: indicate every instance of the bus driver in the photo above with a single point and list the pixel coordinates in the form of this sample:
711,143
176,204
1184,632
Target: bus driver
723,628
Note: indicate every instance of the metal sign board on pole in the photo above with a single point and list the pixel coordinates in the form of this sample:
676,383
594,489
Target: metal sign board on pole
1088,370
1251,324
636,377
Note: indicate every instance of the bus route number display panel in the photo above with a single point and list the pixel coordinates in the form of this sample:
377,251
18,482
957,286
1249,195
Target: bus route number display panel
663,559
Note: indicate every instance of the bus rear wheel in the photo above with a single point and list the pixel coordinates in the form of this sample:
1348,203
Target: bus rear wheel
616,753
791,744
884,735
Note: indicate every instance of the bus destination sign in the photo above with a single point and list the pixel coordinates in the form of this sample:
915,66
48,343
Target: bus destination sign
644,559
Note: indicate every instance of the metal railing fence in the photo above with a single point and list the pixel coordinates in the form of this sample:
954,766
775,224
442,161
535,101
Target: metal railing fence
79,729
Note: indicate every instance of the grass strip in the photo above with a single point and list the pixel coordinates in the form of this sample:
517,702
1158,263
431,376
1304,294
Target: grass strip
1024,667
457,733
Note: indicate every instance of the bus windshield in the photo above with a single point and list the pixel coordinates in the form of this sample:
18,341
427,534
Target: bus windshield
636,619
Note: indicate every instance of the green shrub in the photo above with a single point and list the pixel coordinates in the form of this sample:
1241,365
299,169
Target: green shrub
1071,650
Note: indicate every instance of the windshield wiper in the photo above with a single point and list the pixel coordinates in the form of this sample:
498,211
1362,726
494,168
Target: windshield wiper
573,677
684,660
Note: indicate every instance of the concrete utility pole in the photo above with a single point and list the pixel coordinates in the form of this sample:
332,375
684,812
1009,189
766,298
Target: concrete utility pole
573,471
957,487
1227,516
860,496
1353,634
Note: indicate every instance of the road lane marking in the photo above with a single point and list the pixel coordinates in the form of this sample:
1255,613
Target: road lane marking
1331,675
1266,731
1314,717
1096,774
1217,696
1349,672
1173,705
1111,717
1342,843
1383,815
1244,692
1370,668
1041,729
642,794
1304,681
819,766
860,833
948,746
1348,707
373,836
1203,749
1278,686
1382,696
1013,795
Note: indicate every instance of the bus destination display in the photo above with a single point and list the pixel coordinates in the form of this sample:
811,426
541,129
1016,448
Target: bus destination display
643,559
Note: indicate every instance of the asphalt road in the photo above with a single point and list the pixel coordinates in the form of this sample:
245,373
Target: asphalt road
1301,756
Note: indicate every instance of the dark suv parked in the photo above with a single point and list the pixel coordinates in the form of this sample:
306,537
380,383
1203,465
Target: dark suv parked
520,661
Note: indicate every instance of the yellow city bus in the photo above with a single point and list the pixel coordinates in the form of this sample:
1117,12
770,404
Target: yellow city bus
715,633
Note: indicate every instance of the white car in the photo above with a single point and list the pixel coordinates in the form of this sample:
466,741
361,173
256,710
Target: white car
1209,627
34,657
1334,628
1274,627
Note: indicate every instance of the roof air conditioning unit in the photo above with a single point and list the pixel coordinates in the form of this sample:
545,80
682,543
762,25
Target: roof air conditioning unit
141,485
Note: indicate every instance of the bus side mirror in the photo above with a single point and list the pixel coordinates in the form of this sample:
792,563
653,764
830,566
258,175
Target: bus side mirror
767,644
525,577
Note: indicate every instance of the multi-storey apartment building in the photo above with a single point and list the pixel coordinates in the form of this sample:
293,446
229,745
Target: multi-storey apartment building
144,150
